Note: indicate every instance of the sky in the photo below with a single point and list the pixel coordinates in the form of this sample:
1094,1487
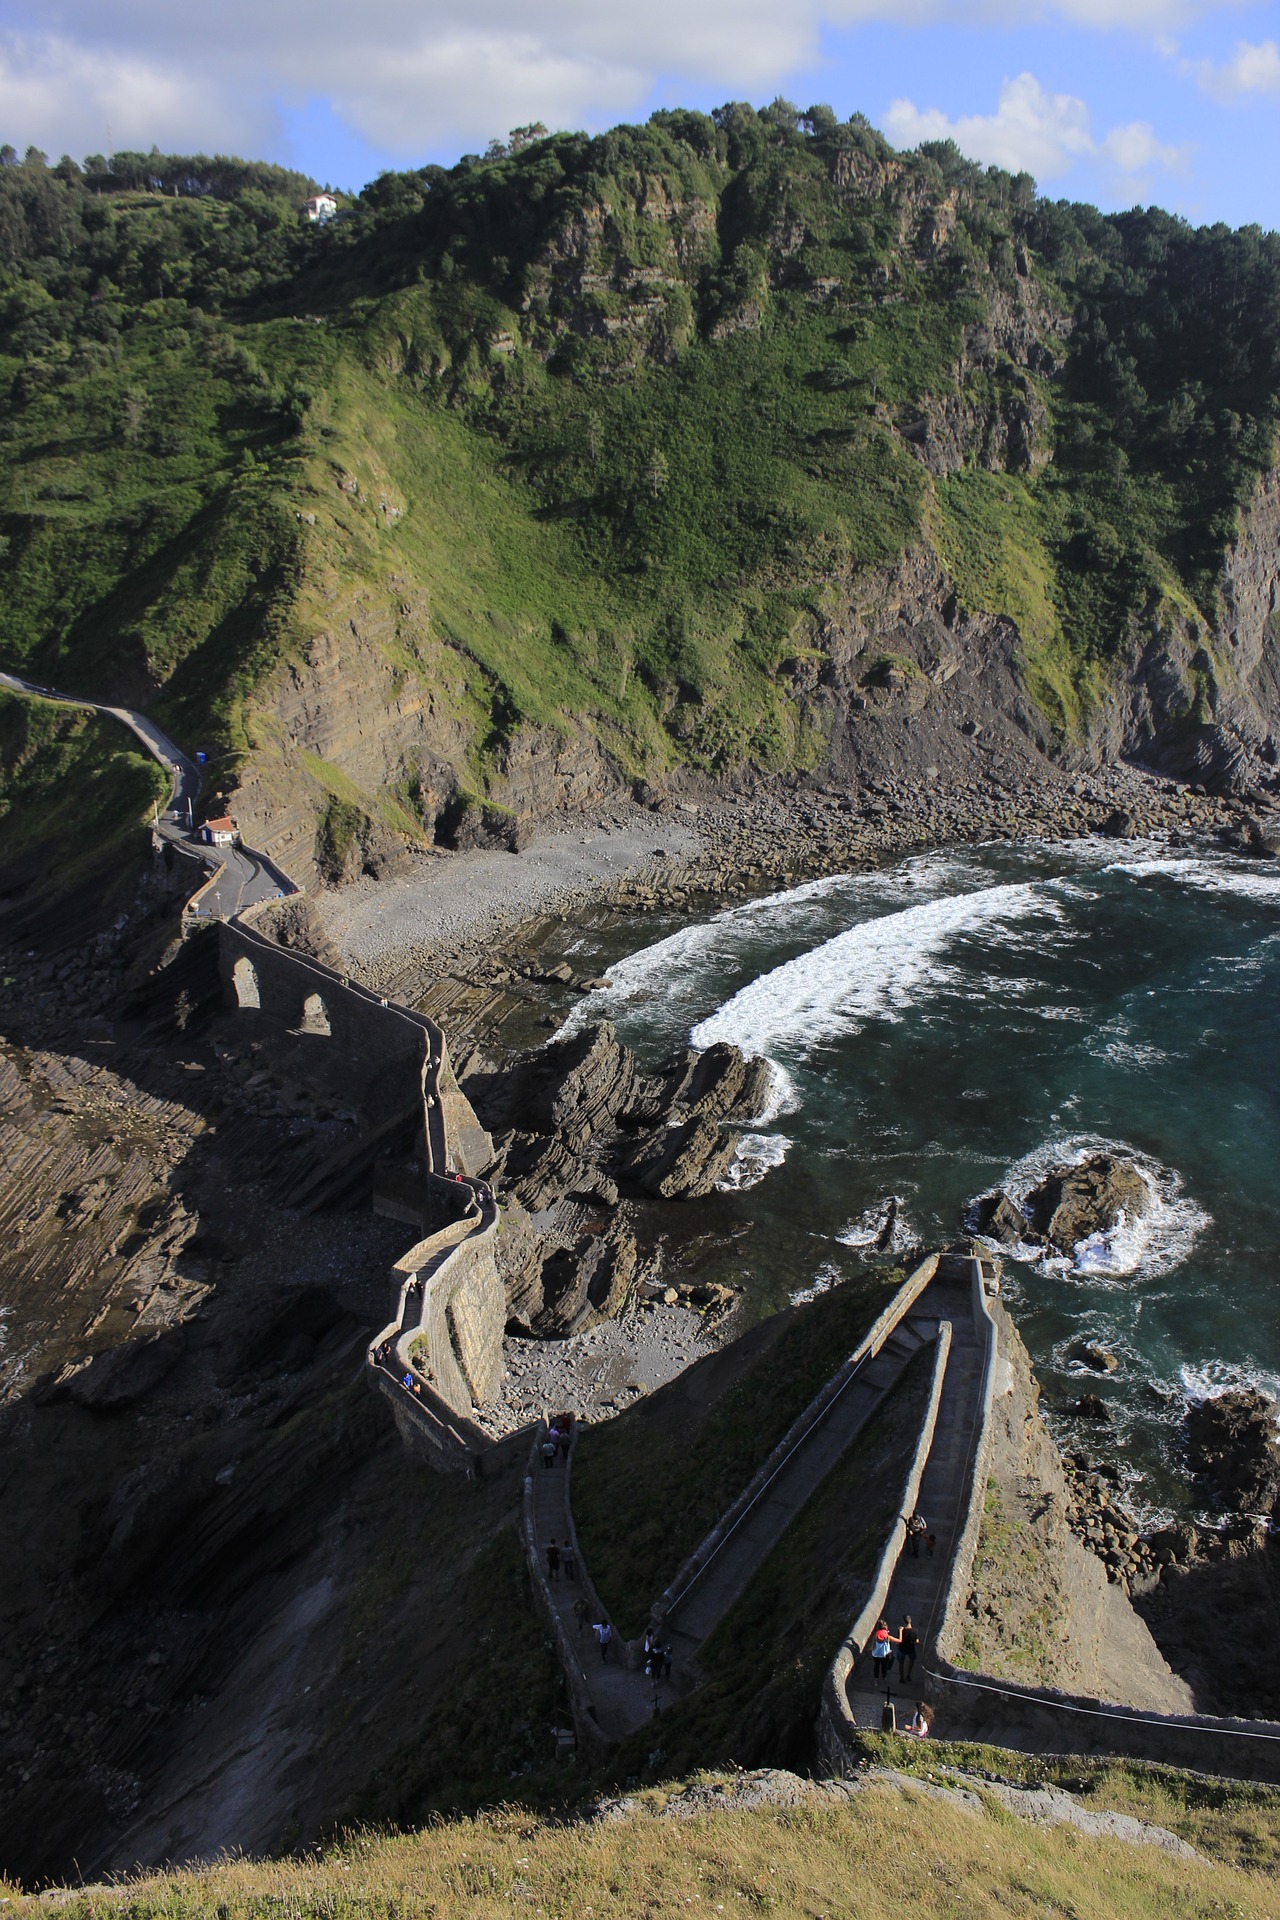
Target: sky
1119,102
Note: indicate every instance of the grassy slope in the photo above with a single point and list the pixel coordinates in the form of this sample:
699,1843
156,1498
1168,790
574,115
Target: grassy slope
648,1485
629,413
884,1854
74,790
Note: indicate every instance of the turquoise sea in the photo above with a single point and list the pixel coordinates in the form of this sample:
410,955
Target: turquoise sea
963,1020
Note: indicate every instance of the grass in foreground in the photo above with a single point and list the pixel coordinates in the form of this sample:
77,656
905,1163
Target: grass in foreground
889,1852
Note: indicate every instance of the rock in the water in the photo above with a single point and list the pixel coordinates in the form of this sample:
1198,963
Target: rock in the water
1091,1406
1074,1202
684,1162
1234,1455
1099,1358
719,1084
1000,1218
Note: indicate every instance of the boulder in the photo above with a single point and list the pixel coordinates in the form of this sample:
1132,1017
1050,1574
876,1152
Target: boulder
1074,1202
717,1084
1091,1406
575,1087
1099,1358
997,1217
586,1283
1233,1450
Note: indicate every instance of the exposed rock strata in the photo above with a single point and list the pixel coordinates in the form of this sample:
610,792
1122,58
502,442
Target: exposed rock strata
575,1124
1234,1454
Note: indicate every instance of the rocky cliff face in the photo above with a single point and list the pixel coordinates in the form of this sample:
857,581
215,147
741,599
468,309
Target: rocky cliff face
1041,1610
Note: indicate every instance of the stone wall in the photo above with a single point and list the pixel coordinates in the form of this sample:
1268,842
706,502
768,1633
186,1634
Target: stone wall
373,1055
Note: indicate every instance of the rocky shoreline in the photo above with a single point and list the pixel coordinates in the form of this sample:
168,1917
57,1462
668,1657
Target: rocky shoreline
675,852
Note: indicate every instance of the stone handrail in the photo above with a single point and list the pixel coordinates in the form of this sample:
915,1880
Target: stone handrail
851,1647
799,1430
960,1571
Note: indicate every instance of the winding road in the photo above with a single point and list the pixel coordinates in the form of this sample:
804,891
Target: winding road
246,877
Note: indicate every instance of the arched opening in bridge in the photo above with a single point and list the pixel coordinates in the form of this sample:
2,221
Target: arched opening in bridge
315,1015
244,979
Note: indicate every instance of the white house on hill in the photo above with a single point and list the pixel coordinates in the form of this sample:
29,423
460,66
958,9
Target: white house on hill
320,207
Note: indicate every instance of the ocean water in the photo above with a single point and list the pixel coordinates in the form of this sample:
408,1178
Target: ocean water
964,1020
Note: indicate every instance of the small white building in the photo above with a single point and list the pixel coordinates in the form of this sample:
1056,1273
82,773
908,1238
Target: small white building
220,833
320,208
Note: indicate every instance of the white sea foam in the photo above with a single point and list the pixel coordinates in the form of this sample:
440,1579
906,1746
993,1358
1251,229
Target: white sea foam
824,1279
1213,876
757,1155
1152,1243
875,970
875,1225
1216,1377
673,968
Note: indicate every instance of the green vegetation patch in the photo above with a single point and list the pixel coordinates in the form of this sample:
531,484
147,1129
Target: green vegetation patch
648,1486
75,796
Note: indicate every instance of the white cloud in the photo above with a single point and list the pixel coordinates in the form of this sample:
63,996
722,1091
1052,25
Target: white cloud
412,76
1045,134
1251,69
60,96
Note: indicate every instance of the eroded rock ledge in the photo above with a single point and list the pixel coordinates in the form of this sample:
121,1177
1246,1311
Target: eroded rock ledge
582,1134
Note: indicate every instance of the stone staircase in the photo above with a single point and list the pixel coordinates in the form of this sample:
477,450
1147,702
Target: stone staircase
694,1613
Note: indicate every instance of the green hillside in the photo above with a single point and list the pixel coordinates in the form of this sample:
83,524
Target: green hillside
632,415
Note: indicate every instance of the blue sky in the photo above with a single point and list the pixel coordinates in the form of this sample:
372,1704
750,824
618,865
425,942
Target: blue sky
1115,101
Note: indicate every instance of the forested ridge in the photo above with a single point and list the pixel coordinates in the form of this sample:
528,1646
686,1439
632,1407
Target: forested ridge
633,412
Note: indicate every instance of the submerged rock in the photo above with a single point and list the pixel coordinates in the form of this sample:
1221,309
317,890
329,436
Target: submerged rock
1234,1454
1072,1203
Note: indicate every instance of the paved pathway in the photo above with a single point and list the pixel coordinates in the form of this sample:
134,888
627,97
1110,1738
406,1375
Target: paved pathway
701,1606
247,877
919,1585
622,1699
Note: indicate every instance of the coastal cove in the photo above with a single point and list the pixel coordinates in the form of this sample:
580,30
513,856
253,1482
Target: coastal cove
960,1020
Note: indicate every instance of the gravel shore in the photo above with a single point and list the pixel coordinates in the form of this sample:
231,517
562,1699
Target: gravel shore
596,1374
451,898
465,912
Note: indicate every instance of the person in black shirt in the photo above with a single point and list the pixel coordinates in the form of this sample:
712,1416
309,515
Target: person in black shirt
908,1648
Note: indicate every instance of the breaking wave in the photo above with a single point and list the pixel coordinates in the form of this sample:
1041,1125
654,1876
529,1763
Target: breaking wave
883,1226
874,971
758,1154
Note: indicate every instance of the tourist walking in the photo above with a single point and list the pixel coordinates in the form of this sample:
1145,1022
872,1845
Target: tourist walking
549,1451
604,1634
581,1613
881,1648
908,1648
553,1560
569,1561
916,1530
